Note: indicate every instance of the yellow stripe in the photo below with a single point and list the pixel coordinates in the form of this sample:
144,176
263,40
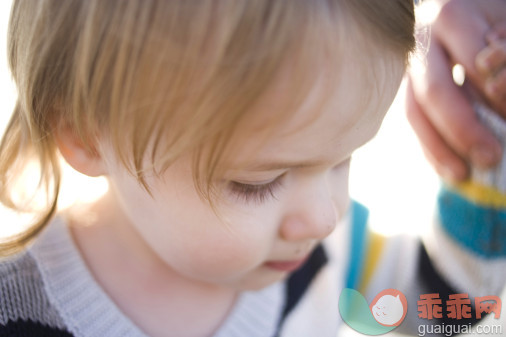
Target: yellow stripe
373,255
482,195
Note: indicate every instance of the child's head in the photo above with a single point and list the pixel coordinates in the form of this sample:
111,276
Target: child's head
250,108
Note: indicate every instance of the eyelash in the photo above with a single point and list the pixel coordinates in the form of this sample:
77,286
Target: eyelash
256,193
261,192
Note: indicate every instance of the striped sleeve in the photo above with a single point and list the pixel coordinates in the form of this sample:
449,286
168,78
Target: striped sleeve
470,231
473,213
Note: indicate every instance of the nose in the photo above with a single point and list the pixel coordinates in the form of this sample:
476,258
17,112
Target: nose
312,215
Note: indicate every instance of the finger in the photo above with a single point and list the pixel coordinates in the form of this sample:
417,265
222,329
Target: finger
492,63
446,162
483,62
460,28
449,111
495,89
497,32
492,58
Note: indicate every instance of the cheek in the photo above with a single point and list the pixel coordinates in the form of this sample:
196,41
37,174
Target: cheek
188,236
339,186
220,256
233,241
213,259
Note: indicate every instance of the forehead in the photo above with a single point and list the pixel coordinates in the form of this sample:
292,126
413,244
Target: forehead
342,110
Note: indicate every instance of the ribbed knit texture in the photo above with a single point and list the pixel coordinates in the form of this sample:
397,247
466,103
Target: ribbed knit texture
23,299
496,176
467,244
85,308
474,212
48,291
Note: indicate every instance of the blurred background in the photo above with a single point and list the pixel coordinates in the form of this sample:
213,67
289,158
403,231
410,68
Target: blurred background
389,174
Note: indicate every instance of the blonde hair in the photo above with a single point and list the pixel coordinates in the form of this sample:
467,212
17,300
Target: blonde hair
171,76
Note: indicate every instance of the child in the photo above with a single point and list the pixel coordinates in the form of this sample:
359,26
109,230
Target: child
225,130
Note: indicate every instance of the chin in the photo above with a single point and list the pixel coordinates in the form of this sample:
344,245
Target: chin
261,281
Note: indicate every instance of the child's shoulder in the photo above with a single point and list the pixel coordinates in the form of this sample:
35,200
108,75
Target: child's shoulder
17,267
25,308
18,273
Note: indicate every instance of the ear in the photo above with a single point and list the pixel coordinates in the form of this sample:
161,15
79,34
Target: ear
78,155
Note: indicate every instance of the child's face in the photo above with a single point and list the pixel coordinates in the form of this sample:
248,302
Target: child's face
280,198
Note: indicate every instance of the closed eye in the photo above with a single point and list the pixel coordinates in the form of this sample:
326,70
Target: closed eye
255,192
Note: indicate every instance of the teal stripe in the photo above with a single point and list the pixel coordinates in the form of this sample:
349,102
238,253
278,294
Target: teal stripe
359,238
480,229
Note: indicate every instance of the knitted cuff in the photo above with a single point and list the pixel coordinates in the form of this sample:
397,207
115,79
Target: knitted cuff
474,212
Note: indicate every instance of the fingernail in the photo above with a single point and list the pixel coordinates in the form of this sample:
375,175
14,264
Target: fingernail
483,156
483,64
491,88
492,36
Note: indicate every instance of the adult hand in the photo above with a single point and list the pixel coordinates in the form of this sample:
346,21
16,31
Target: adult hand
439,110
491,63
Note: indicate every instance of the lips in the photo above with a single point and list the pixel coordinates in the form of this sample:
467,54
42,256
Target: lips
286,266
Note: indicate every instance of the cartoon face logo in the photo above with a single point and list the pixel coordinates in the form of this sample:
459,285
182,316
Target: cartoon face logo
389,307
